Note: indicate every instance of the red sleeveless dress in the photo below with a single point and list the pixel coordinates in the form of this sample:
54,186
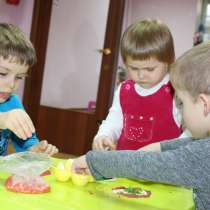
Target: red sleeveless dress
146,119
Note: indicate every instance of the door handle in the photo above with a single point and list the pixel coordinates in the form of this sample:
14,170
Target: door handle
105,51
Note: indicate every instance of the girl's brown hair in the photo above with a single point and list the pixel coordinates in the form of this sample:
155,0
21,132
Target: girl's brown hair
148,38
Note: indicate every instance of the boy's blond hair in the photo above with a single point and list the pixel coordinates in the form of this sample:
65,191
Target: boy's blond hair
13,42
191,72
147,39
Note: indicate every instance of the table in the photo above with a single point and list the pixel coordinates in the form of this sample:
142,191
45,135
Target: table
97,196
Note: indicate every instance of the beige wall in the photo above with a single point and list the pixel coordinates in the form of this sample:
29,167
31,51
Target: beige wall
179,15
73,64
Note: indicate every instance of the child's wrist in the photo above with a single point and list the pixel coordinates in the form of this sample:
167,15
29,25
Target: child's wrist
1,120
99,137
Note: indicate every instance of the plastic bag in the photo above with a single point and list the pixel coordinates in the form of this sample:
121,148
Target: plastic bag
25,164
26,168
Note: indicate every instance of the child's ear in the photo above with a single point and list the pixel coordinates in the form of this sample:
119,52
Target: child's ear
205,99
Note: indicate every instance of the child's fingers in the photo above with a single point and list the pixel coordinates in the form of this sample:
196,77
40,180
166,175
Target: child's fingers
79,171
109,144
87,171
20,123
80,166
84,171
17,129
44,147
24,126
97,145
29,122
43,144
27,125
101,145
48,149
51,149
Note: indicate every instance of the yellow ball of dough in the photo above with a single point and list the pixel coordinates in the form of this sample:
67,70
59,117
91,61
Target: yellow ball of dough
79,179
90,178
60,173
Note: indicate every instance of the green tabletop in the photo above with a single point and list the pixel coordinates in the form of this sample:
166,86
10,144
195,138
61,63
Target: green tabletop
97,196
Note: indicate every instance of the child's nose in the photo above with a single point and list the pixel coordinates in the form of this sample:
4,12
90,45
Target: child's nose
140,74
11,83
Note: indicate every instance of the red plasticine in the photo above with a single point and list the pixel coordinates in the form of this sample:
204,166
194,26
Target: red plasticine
23,187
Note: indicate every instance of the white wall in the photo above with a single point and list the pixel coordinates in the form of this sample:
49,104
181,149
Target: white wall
179,15
20,15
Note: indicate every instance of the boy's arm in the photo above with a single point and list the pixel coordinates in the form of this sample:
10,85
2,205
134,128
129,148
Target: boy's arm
31,143
173,166
166,145
34,145
14,118
174,143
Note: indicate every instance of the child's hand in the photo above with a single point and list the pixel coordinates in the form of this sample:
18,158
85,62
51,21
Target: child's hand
103,143
80,166
44,147
18,121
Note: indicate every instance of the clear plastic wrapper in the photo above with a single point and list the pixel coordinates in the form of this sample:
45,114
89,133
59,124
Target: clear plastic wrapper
26,168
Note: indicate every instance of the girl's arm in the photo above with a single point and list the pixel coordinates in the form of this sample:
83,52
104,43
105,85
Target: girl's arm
111,127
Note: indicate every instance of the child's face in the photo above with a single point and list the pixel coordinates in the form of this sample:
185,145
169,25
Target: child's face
193,113
11,73
147,73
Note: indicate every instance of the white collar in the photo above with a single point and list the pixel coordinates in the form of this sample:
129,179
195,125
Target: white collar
146,92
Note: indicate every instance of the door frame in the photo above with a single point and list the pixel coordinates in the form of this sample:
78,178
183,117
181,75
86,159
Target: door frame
39,37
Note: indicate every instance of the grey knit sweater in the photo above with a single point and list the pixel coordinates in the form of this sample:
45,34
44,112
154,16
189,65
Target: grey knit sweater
184,162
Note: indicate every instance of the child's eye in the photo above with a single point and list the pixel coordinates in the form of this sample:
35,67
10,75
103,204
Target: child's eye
21,77
134,69
150,69
3,74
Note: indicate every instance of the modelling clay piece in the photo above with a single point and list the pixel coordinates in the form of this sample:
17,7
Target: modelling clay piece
34,185
60,172
131,192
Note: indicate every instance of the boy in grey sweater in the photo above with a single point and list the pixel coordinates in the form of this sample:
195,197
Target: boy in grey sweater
184,162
